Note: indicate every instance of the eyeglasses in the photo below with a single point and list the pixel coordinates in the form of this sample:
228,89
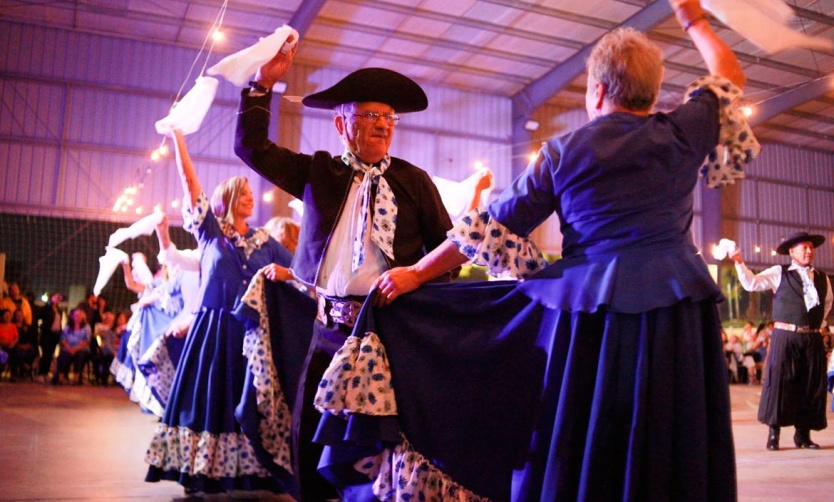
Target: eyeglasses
372,117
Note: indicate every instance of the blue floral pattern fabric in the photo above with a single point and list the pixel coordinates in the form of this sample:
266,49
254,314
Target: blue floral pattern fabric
404,474
224,455
384,219
488,243
736,144
358,380
276,426
159,370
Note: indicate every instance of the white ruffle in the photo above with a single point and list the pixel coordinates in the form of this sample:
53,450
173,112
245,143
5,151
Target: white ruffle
358,380
275,427
160,375
226,455
193,216
404,474
488,243
736,144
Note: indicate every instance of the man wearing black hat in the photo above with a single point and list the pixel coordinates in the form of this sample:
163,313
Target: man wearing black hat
364,211
795,382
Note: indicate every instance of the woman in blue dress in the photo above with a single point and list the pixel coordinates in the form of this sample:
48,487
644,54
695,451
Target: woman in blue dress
634,400
160,302
208,440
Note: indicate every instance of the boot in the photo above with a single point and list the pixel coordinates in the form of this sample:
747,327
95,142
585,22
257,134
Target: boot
773,438
802,439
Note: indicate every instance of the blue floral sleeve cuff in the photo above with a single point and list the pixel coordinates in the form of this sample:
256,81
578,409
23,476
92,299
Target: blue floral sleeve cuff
488,243
736,144
193,217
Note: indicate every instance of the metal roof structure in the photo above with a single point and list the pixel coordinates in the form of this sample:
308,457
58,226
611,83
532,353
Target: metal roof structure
531,51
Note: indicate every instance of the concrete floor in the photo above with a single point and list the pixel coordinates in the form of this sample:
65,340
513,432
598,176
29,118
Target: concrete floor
87,443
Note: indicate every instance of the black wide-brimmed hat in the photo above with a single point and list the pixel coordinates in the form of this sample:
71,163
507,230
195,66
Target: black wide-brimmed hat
785,247
372,84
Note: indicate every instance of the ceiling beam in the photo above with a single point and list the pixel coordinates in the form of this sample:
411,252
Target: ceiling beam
781,103
539,91
304,16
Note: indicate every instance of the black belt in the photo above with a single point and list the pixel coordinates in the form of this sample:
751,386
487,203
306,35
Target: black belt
786,326
338,310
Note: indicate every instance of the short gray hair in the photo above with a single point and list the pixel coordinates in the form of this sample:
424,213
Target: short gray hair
629,66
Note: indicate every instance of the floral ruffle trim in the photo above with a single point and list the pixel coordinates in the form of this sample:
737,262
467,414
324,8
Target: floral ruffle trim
488,243
248,244
404,474
226,455
358,380
193,216
275,428
158,369
736,144
122,374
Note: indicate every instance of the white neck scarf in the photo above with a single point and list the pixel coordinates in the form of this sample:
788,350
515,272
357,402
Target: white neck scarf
384,218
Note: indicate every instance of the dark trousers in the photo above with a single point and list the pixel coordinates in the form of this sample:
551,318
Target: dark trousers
48,342
326,341
77,361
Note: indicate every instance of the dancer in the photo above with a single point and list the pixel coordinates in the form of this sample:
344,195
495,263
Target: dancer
364,212
158,362
795,381
635,403
204,442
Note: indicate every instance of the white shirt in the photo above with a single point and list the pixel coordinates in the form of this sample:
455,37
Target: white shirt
771,278
335,276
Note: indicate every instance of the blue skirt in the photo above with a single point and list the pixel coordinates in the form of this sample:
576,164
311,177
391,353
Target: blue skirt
512,400
201,443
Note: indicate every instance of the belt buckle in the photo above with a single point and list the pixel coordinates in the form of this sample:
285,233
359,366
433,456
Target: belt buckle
321,309
344,312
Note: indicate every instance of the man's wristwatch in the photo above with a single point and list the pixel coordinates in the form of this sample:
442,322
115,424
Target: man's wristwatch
256,89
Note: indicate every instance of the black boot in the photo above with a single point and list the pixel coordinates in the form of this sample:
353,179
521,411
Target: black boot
802,439
773,438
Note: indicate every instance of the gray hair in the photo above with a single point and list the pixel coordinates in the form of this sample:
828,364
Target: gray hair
629,66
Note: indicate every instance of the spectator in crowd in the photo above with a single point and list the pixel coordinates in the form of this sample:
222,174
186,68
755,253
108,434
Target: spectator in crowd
75,347
8,337
90,308
108,345
16,301
49,326
26,350
742,366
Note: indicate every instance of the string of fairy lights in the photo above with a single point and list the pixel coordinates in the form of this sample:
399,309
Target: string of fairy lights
127,200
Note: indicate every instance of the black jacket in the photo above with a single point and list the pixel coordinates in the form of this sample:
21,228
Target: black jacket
322,182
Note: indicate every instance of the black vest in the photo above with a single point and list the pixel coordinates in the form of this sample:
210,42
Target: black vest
789,303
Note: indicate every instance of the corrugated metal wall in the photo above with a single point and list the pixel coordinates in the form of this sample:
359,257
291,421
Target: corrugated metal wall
787,190
77,129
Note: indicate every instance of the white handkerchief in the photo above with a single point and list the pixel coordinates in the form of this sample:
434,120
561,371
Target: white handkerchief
456,195
187,115
238,67
139,268
725,248
765,23
107,264
145,226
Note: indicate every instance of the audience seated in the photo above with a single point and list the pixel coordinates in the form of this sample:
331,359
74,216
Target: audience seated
75,347
23,355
